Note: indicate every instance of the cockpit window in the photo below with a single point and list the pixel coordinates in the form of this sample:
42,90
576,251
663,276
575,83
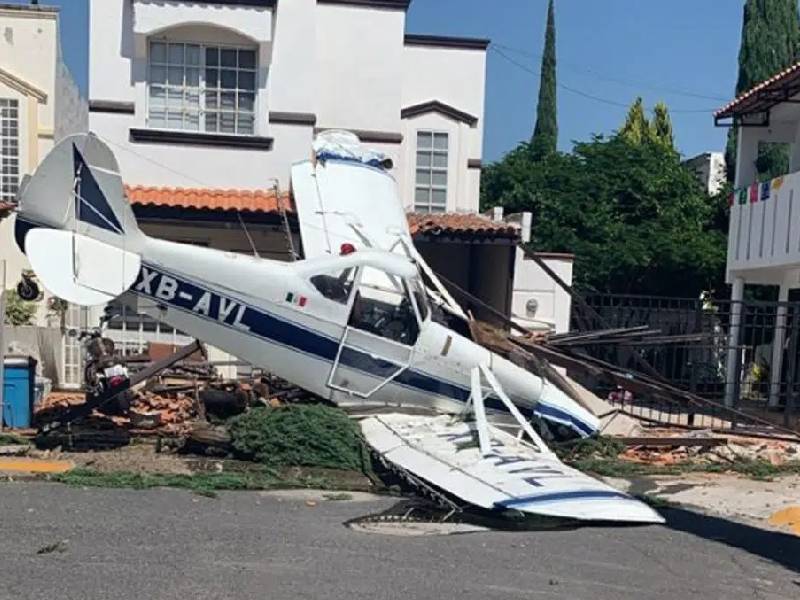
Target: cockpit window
335,286
382,307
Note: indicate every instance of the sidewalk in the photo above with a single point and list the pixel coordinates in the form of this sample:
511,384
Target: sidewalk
771,504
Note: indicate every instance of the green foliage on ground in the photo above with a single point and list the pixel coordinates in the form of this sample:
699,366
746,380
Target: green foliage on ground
9,439
637,219
18,311
206,484
545,133
299,435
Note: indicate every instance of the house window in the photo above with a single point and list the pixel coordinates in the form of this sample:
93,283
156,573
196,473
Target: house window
201,88
9,149
430,193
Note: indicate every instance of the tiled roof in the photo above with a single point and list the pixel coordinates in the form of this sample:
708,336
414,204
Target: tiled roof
763,96
459,224
263,201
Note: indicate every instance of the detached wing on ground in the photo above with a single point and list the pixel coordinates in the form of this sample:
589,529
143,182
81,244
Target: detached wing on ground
445,452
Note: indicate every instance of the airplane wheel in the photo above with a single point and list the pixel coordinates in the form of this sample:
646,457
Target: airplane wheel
28,290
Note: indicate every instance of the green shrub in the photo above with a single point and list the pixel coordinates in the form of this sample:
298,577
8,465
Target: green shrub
299,435
18,311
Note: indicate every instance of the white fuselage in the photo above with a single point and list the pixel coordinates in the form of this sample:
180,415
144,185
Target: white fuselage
248,307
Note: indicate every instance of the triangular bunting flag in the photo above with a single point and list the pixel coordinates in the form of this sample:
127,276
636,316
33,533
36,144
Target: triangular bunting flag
743,196
777,183
765,190
754,193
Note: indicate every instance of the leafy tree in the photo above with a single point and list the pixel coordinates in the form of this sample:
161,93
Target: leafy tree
545,133
18,311
636,219
661,126
770,43
636,129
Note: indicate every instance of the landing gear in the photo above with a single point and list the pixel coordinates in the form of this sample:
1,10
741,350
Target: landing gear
28,289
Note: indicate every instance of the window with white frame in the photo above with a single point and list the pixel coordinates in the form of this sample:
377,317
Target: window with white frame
199,87
430,193
9,149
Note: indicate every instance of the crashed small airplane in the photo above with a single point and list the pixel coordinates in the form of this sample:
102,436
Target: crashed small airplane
352,322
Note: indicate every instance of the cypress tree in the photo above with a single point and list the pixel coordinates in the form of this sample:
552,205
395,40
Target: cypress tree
545,133
770,43
636,129
661,126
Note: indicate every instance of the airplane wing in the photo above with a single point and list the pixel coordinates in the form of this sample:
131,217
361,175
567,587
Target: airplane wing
446,453
346,196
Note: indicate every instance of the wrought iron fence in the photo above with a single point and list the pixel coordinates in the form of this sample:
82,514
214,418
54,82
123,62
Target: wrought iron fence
687,346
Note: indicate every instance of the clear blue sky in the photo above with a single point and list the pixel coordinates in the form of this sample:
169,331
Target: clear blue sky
611,49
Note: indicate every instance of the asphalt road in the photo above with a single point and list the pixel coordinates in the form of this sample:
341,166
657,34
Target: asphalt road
125,544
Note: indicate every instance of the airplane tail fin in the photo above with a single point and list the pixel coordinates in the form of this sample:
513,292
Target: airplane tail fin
75,224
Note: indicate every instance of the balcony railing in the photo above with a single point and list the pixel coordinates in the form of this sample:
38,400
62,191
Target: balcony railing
765,224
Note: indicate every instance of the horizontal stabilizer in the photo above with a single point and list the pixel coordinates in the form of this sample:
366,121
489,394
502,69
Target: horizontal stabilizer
514,475
80,269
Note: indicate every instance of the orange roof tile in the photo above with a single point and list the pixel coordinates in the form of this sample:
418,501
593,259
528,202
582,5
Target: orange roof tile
207,199
757,97
459,223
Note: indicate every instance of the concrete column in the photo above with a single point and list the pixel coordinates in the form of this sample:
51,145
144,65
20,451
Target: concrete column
737,294
746,155
794,151
777,347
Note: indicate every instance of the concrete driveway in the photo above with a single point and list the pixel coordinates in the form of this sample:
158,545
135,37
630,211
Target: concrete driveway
171,544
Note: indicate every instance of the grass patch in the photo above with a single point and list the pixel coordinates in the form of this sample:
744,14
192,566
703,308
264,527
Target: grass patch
204,484
9,439
338,497
656,502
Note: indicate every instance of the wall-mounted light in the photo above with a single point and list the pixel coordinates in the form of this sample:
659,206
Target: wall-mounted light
531,306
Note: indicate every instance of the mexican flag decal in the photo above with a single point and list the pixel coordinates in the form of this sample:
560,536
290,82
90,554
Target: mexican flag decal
296,299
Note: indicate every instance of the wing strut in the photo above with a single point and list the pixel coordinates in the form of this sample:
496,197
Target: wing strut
475,404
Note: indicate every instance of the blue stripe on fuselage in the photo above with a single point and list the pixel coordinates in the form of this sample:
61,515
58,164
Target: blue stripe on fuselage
279,330
260,323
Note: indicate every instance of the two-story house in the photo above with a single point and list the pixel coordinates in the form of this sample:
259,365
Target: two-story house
39,105
229,93
764,228
207,104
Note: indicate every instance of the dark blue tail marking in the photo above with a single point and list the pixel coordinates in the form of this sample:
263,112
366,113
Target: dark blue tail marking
91,204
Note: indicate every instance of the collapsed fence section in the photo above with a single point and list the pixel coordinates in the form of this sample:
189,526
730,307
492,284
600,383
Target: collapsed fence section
689,343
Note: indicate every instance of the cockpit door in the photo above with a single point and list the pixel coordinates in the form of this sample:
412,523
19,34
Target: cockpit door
377,344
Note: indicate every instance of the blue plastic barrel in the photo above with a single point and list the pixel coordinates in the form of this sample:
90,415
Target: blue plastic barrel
18,391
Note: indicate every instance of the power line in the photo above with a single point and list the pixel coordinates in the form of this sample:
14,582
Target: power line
587,95
626,82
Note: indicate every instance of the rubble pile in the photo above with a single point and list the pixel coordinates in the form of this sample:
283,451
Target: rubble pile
171,413
732,448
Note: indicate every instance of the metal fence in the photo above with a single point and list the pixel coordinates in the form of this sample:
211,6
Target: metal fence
687,346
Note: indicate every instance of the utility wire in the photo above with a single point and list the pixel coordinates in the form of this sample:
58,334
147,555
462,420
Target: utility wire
603,77
578,92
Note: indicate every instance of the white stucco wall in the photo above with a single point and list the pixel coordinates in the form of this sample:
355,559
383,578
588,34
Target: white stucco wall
359,67
456,77
531,282
344,66
71,109
50,106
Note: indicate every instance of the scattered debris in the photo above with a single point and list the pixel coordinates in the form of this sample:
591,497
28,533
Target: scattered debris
60,546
